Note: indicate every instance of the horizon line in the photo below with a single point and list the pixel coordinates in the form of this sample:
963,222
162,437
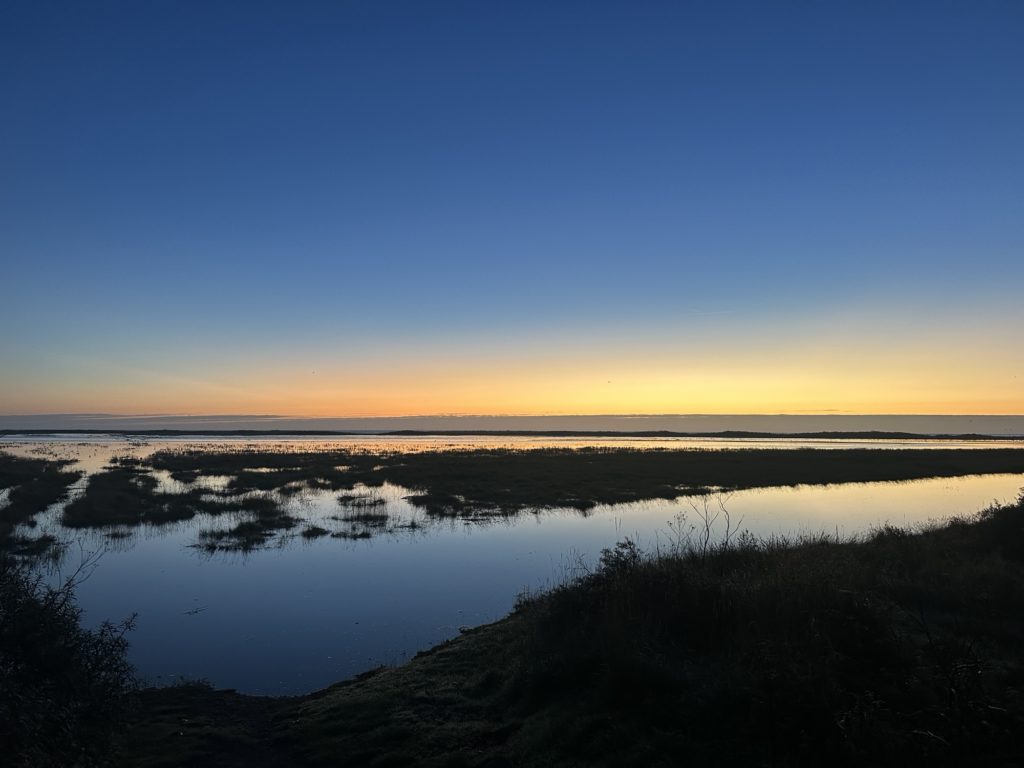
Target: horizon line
816,412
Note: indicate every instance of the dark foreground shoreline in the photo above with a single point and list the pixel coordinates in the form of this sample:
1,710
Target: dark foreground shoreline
897,649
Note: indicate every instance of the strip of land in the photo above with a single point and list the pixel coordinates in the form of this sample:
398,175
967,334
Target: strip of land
727,434
511,480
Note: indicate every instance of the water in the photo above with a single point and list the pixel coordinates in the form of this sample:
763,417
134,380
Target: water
303,613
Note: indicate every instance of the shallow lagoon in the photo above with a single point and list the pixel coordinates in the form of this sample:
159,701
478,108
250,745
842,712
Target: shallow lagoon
304,613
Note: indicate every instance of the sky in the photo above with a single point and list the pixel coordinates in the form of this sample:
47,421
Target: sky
371,209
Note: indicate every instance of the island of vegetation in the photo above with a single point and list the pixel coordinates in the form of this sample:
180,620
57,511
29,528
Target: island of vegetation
731,434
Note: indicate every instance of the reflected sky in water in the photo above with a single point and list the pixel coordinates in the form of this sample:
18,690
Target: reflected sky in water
304,613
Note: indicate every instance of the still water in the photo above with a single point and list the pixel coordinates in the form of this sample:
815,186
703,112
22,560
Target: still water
303,613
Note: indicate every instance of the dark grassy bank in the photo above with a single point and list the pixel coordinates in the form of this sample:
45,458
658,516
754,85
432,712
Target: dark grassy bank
34,485
507,480
899,649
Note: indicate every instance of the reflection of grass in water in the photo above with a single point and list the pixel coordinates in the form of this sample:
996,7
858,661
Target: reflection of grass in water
363,518
353,535
125,495
440,504
362,509
360,500
29,546
246,535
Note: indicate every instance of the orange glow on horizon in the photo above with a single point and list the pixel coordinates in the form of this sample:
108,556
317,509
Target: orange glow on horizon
841,368
536,393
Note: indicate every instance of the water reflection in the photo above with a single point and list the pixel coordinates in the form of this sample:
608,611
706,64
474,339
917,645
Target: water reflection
382,583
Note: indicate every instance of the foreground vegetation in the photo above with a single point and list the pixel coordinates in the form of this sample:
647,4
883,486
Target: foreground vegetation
898,649
64,690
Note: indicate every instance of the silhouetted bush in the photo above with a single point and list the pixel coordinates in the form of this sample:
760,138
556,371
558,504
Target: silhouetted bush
63,689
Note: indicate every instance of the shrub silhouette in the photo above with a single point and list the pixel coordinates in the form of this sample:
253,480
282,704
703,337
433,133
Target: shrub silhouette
63,688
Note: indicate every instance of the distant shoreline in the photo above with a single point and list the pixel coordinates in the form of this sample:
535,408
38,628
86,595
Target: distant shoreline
726,435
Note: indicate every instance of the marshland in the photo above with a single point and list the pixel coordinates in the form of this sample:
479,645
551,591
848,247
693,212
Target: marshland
373,550
271,567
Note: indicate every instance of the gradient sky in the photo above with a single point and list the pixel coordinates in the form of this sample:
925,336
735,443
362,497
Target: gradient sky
385,208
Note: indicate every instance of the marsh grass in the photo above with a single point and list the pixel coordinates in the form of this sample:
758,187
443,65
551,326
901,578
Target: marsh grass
126,494
34,485
354,534
361,501
368,510
249,534
507,481
897,647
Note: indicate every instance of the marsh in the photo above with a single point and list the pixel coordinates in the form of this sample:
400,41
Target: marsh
280,566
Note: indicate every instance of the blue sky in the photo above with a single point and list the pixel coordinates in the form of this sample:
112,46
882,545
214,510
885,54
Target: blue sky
218,191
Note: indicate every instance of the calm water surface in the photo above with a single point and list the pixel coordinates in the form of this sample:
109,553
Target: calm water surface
302,613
